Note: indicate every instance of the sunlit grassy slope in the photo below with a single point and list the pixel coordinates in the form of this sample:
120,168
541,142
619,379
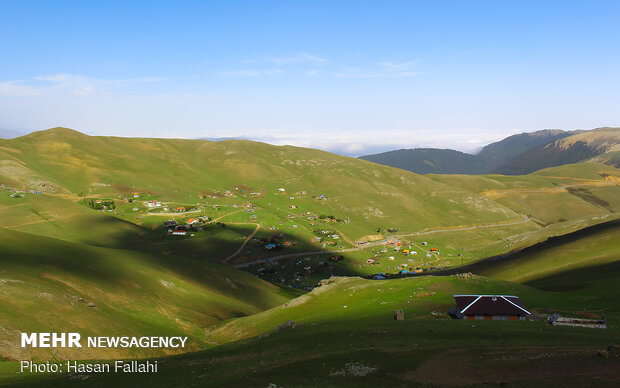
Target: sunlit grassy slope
585,264
69,161
552,195
588,258
597,145
71,166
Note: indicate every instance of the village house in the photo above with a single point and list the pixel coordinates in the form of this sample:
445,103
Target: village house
178,231
489,307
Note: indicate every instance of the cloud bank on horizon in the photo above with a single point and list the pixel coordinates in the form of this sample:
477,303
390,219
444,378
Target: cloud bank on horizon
353,78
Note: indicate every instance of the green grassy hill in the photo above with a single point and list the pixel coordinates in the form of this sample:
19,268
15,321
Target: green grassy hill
445,161
430,161
497,154
515,155
552,195
573,149
344,334
259,190
65,161
588,258
50,285
116,270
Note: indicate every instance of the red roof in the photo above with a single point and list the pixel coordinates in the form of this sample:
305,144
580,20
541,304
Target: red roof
490,305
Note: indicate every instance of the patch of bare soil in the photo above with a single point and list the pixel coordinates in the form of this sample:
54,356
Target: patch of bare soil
211,194
122,188
242,187
370,238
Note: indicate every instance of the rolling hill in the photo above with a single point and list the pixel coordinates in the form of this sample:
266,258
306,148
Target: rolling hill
49,285
573,149
113,271
430,161
516,155
260,190
62,255
66,162
9,134
343,333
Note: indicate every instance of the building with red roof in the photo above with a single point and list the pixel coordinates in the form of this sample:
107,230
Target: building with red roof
489,307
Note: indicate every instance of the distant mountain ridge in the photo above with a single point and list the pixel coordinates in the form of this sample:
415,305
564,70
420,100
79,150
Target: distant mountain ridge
10,134
517,154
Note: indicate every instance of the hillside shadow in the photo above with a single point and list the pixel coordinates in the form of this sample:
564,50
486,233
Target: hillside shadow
41,256
602,275
192,256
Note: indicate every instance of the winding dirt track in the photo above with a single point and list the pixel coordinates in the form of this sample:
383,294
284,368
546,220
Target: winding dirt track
381,242
226,260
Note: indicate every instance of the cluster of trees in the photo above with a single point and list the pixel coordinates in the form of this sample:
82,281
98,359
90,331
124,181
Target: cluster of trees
99,204
323,232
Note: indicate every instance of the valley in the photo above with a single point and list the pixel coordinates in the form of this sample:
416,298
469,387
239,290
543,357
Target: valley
226,241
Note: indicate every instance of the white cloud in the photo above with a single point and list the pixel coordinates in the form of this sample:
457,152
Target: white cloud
60,78
296,59
376,74
312,65
389,66
367,142
66,84
87,91
305,63
380,69
247,73
18,89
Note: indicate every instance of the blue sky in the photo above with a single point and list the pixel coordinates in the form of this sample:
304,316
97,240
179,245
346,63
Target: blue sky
351,77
